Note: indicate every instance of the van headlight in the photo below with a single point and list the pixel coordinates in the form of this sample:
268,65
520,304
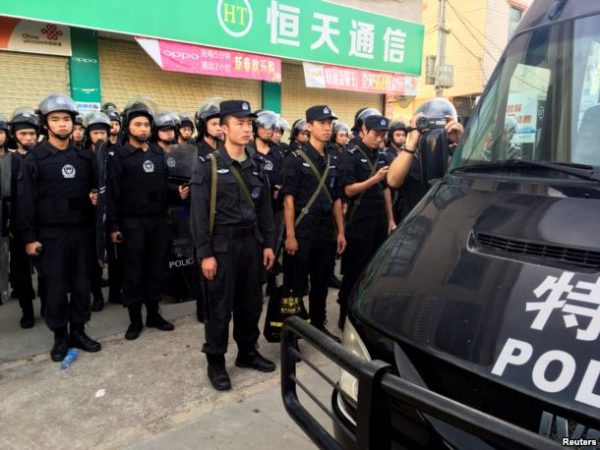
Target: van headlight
354,344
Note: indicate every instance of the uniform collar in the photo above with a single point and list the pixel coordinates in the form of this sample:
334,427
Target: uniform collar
313,153
369,151
52,149
229,161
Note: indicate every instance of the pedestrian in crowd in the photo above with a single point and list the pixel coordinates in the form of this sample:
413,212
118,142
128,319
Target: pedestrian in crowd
208,125
370,218
137,217
56,214
24,127
232,229
313,214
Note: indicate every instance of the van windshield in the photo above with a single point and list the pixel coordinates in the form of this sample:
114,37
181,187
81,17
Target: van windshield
543,102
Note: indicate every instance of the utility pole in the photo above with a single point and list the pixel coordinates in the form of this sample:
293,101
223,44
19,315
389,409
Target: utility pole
441,53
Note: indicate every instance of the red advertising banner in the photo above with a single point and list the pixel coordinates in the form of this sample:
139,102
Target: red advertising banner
199,60
350,79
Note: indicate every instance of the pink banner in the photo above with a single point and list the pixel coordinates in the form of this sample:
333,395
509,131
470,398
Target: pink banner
349,79
199,60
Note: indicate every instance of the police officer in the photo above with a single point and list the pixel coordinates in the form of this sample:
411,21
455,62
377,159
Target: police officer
370,218
97,129
336,147
137,217
359,120
272,163
232,229
24,126
299,135
407,169
164,129
78,132
396,139
185,129
311,208
3,134
115,127
208,125
281,127
56,214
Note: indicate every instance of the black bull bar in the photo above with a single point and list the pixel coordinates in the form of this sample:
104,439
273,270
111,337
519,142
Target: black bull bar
377,385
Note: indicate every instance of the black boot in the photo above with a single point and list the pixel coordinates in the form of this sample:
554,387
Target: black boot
251,359
27,321
154,319
217,374
81,340
61,344
136,326
98,302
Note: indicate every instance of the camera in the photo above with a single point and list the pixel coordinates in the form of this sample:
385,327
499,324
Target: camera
430,123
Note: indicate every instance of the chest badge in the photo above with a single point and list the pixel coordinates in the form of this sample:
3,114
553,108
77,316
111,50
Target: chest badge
68,171
223,171
148,166
268,165
171,162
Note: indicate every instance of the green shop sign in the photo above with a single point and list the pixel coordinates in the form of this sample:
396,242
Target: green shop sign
307,30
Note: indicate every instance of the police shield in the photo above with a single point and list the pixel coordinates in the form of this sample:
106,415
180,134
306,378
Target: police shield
180,160
183,280
5,194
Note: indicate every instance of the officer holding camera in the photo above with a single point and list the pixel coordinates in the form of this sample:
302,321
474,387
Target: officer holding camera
432,134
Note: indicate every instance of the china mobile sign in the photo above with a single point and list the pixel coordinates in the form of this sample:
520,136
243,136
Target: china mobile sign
199,60
308,30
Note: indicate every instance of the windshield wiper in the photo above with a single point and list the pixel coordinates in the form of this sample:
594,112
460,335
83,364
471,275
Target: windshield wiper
577,170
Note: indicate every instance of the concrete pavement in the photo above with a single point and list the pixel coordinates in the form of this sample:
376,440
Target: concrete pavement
150,393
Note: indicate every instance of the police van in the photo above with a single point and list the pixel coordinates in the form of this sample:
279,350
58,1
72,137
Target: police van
477,324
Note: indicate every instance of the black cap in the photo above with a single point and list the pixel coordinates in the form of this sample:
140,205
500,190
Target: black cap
319,112
377,123
236,108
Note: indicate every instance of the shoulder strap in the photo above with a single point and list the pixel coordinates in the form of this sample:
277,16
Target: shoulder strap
356,203
320,186
243,186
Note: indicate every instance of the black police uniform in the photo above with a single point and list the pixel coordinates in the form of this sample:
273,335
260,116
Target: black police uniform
314,233
137,207
203,148
366,227
20,263
54,208
239,236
